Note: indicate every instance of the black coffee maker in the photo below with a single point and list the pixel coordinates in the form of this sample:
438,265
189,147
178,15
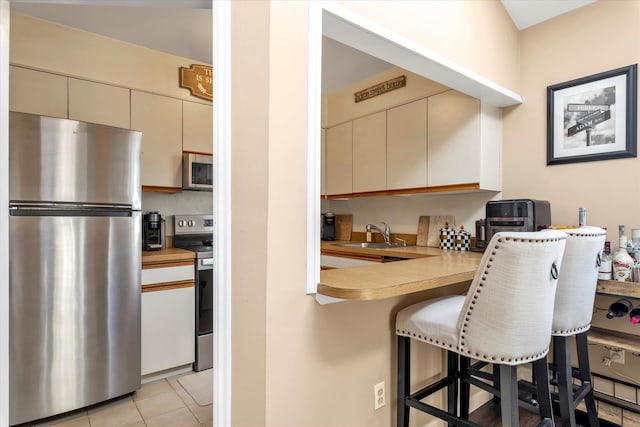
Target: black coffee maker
152,231
328,226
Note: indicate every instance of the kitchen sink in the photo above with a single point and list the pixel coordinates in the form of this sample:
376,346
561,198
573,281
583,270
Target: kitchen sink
370,245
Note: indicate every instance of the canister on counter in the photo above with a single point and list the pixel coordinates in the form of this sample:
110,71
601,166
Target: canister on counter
463,239
447,237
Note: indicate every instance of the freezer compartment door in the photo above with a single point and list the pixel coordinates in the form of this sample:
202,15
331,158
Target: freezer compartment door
74,312
58,160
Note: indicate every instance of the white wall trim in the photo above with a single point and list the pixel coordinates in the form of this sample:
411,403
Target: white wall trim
360,33
4,213
222,213
314,116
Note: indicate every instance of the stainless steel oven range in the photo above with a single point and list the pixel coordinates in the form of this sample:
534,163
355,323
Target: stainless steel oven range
195,233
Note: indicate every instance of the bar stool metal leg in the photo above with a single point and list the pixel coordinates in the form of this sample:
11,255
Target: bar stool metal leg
543,395
585,377
404,380
465,389
496,383
452,388
509,395
562,350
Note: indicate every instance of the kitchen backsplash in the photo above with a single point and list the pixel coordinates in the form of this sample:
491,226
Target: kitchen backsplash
402,212
170,204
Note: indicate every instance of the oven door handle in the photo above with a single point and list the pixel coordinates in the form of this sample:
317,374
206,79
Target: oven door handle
205,264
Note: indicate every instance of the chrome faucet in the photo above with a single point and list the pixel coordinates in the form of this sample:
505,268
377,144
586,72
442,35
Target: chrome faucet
386,233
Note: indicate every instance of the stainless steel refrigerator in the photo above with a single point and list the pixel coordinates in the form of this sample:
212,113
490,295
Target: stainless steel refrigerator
74,264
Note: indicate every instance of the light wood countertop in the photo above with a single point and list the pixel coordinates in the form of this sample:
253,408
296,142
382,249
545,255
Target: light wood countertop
431,268
166,255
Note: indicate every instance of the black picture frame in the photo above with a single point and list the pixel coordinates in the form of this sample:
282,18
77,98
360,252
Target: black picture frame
593,118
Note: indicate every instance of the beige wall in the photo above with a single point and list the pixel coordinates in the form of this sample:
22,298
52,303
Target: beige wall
341,108
478,35
296,363
249,207
47,46
553,52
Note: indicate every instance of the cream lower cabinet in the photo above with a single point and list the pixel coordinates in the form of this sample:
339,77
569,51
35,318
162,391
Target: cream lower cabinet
407,146
197,127
168,318
464,137
370,153
37,92
99,103
339,159
160,120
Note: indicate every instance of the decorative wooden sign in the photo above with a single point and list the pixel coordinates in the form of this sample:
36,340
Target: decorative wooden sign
198,79
381,88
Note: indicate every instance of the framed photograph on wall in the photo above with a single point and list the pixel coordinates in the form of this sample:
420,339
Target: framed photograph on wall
593,118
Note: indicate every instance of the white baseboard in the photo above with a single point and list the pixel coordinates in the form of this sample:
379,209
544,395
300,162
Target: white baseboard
155,376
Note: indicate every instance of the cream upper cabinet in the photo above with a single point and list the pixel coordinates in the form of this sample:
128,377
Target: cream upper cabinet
339,159
160,120
37,92
99,103
463,141
197,127
370,153
323,162
407,146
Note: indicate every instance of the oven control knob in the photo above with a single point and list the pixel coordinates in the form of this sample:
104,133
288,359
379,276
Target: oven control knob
181,223
191,223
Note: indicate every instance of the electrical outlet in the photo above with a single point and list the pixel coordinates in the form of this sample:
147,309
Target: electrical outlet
379,395
616,355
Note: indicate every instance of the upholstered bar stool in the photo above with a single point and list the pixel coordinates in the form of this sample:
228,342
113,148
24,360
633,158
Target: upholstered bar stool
572,317
504,319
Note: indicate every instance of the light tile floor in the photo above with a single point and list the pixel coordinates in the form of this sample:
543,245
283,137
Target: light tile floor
163,403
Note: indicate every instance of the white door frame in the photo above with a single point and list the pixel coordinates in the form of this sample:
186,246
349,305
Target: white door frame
221,196
4,213
222,209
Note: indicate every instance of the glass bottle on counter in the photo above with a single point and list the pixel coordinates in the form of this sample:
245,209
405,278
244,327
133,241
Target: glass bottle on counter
622,261
604,272
582,217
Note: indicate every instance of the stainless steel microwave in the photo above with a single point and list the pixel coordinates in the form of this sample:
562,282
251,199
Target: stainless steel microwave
197,172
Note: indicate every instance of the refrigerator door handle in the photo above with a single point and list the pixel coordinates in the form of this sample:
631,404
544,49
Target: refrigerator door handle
66,206
68,210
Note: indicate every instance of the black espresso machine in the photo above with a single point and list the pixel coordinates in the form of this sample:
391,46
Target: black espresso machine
152,231
513,215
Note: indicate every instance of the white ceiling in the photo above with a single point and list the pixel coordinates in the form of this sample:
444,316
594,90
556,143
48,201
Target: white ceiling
186,31
526,13
180,31
343,66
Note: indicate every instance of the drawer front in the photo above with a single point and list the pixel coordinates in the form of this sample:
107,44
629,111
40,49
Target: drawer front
168,274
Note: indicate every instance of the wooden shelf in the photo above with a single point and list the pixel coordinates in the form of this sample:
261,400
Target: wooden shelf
620,289
614,339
